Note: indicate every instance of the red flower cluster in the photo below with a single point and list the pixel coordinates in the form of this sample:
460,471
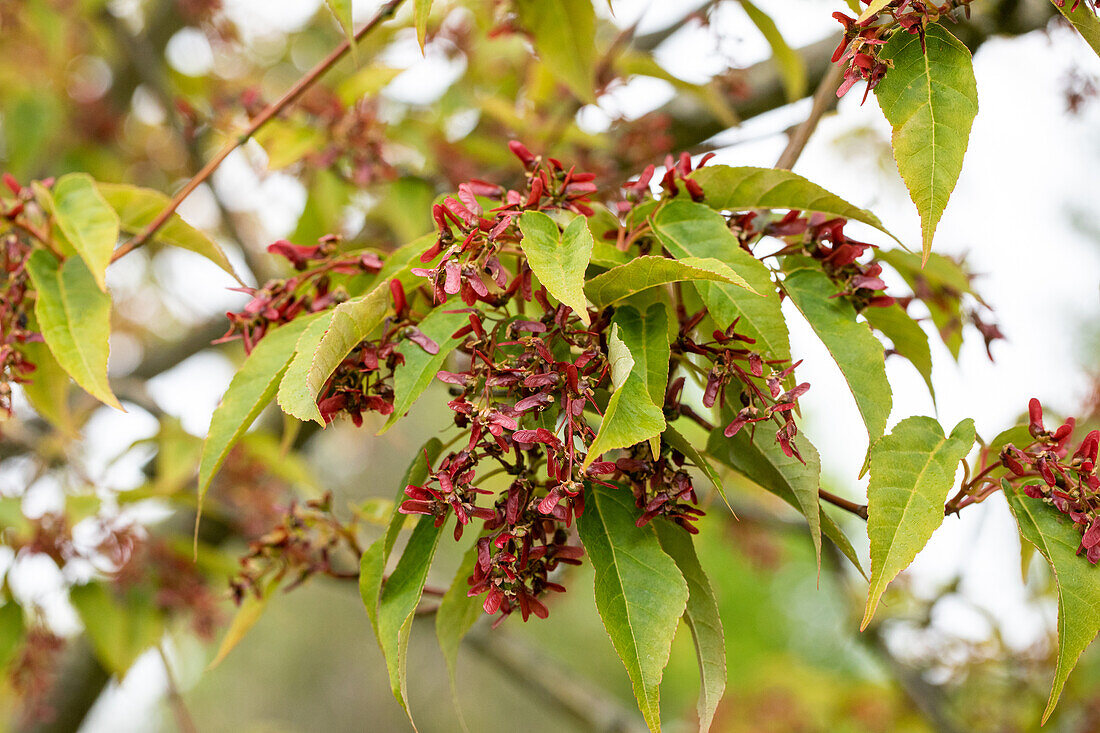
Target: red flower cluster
862,40
14,306
281,301
1070,483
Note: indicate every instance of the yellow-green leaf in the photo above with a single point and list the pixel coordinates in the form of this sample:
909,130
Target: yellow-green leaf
137,207
650,271
930,99
702,618
640,593
457,613
251,388
75,318
341,10
912,471
1057,538
687,229
740,189
565,38
87,221
790,63
421,10
638,349
855,349
248,613
558,259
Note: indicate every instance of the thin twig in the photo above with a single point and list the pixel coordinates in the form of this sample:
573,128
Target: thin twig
824,100
860,510
175,699
262,119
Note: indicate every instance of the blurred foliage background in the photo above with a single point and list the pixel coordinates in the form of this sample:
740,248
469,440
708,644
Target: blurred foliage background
143,92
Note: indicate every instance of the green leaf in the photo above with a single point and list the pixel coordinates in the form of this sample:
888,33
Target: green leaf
248,613
763,462
120,629
908,338
323,345
75,318
341,10
1084,20
791,66
565,38
640,593
702,618
650,271
673,437
912,471
137,207
286,142
12,631
251,388
421,10
400,595
638,349
930,99
87,221
456,614
413,377
48,390
1057,538
629,63
558,259
743,188
855,349
688,229
372,565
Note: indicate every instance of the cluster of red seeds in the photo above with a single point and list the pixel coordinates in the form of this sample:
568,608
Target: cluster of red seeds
859,49
15,248
1070,483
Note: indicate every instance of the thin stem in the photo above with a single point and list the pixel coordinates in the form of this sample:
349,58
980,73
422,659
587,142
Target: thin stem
860,510
262,119
824,100
179,708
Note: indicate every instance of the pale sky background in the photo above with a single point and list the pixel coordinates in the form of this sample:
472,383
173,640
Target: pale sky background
1030,169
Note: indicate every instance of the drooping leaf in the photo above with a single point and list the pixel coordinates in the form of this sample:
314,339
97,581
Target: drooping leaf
761,460
855,349
321,348
248,613
558,259
635,348
251,388
413,377
400,595
702,618
688,229
421,10
673,437
912,471
640,593
119,629
742,188
456,614
372,565
908,338
1057,538
87,221
565,38
791,66
75,318
137,207
1084,20
650,271
930,99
